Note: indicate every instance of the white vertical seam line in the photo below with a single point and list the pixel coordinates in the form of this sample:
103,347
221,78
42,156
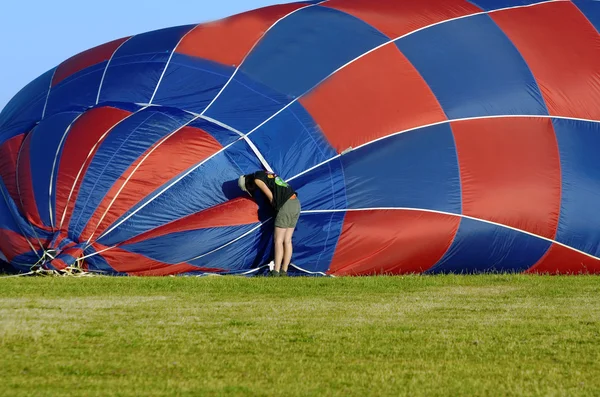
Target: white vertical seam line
85,162
48,94
97,253
385,44
194,168
350,62
257,152
337,156
245,137
62,140
19,191
250,51
168,63
107,65
163,140
104,169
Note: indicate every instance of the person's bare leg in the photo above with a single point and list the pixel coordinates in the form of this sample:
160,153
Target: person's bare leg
287,248
279,247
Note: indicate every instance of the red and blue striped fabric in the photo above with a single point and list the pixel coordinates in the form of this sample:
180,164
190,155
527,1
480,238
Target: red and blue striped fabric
432,136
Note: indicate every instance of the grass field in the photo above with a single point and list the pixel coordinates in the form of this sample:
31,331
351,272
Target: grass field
417,336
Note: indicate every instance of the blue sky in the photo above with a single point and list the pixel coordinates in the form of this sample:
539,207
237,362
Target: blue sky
36,35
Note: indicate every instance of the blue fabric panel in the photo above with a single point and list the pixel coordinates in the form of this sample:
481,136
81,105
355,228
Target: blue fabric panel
162,40
244,160
25,109
249,252
9,214
128,106
261,248
315,240
136,67
79,90
322,188
471,74
121,148
68,259
23,263
482,247
191,83
579,223
490,5
11,219
245,104
417,169
221,135
98,264
307,46
591,9
292,142
45,151
64,243
190,244
213,183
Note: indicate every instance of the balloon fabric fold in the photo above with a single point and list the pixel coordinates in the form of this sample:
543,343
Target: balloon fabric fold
432,136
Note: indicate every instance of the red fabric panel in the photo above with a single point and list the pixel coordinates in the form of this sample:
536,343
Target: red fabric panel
139,265
13,244
9,153
240,211
395,18
70,245
358,105
84,137
68,250
562,260
184,149
229,40
58,264
561,48
510,172
86,59
392,242
25,186
58,239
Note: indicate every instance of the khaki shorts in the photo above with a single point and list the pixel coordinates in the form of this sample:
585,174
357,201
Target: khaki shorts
288,215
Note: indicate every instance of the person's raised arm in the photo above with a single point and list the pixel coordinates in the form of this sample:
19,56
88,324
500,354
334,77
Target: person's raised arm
263,187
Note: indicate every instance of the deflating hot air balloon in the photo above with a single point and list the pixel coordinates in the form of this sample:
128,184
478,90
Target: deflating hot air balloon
428,136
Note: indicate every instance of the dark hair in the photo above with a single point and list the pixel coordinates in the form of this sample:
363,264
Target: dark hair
250,183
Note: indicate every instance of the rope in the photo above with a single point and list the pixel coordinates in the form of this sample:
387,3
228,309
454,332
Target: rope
313,273
270,266
18,275
75,270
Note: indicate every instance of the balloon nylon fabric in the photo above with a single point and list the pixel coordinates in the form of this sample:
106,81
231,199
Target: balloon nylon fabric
422,137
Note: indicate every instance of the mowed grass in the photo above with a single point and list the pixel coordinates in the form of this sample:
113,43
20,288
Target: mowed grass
416,336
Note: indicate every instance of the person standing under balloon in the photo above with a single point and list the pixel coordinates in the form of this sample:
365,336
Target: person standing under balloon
287,206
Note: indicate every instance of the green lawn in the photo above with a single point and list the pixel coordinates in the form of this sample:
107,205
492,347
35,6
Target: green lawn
414,336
